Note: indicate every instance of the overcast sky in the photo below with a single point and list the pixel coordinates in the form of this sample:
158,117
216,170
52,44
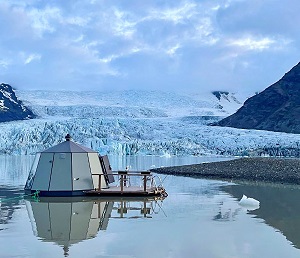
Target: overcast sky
148,44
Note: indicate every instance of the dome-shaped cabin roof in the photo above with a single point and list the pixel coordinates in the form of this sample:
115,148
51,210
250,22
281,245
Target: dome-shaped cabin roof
68,146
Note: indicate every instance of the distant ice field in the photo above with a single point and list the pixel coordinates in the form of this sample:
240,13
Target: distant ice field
139,122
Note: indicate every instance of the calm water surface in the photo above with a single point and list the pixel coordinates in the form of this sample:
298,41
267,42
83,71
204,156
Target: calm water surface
199,218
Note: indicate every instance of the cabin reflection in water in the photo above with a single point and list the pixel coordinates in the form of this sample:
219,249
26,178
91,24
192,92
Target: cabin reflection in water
67,221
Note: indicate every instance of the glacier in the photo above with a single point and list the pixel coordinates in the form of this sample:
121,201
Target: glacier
139,123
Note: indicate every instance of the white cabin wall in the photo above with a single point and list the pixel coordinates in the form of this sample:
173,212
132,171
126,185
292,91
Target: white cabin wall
81,172
32,171
43,172
97,169
61,177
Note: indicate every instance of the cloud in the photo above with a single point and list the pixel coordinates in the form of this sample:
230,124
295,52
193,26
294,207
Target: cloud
77,20
205,32
171,51
4,63
44,20
32,57
178,14
121,24
249,43
150,44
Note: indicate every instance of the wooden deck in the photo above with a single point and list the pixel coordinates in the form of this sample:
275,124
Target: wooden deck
127,191
124,187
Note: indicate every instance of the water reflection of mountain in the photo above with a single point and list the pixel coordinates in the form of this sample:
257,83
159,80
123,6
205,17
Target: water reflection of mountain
10,199
279,206
67,221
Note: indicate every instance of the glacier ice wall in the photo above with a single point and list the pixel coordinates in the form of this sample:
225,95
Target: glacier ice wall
155,136
139,122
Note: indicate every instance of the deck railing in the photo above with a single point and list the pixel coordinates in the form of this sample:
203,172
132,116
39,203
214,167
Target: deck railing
124,177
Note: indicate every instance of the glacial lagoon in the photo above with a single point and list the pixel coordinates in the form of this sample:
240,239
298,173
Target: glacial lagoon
199,218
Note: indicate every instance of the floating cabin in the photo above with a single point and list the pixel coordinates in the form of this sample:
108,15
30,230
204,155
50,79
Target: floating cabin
69,169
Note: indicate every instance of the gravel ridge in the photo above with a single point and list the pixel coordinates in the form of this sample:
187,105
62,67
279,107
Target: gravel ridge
279,170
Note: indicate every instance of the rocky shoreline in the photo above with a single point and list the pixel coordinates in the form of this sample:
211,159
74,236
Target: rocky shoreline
276,170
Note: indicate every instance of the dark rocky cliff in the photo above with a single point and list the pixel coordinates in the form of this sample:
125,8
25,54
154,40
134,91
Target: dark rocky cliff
10,107
277,108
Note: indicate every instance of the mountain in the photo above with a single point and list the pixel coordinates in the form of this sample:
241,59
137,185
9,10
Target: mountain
277,108
10,107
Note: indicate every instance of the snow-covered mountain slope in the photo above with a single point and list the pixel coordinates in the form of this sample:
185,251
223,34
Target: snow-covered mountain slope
129,103
139,122
11,108
274,109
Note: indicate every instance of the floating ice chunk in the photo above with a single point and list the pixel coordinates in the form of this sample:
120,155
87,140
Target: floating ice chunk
249,203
